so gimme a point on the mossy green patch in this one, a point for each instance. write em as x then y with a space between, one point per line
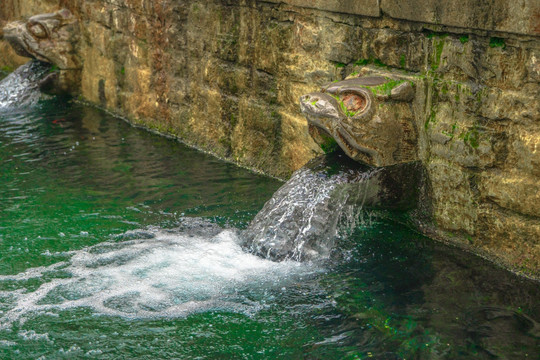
452 132
329 144
495 42
232 120
362 62
386 88
464 39
472 138
432 34
7 69
444 88
402 60
343 107
374 61
431 119
437 52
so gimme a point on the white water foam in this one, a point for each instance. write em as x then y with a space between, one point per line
305 216
157 273
21 88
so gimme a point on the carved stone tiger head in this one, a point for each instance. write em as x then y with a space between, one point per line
370 118
52 38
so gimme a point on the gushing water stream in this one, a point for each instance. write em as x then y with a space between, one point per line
20 89
302 220
323 201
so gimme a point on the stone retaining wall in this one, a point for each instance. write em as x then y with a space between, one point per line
226 76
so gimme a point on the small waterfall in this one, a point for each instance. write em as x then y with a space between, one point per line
304 217
21 87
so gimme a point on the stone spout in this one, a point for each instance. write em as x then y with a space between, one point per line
370 118
51 38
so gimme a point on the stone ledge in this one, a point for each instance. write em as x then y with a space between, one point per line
510 238
519 17
512 190
354 7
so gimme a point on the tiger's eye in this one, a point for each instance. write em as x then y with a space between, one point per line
38 30
354 102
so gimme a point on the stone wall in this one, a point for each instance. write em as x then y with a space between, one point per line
226 76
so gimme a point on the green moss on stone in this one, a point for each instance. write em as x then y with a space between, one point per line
343 107
497 42
376 62
444 88
402 61
361 62
329 144
386 88
431 34
438 49
431 119
232 120
6 69
452 132
472 138
464 39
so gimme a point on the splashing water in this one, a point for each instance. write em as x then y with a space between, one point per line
323 202
21 88
306 215
153 273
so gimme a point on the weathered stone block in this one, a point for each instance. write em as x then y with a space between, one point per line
455 137
9 58
533 66
515 191
356 7
252 135
455 206
521 17
524 150
297 145
510 237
